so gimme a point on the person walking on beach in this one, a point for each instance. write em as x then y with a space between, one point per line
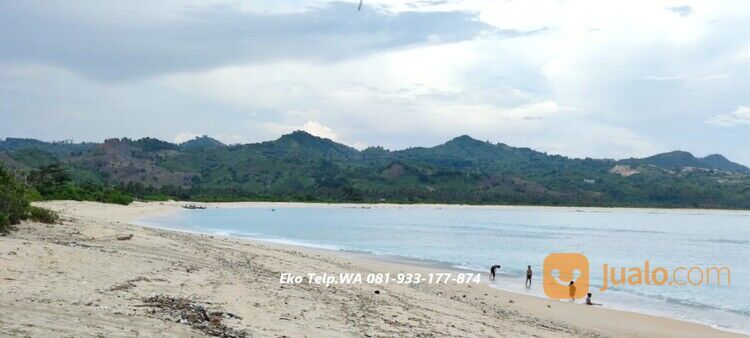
572 291
528 276
492 271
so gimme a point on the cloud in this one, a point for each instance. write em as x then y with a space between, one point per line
200 38
664 78
427 3
396 74
739 116
586 139
185 136
681 10
320 130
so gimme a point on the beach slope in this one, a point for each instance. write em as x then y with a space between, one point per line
89 277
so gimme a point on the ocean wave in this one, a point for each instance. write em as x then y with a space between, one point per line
692 303
727 241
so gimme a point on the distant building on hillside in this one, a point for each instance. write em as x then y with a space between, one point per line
589 181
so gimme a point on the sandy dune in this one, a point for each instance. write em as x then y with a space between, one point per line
78 279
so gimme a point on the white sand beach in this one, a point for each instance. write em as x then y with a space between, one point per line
78 279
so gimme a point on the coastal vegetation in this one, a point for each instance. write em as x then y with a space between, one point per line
302 167
14 203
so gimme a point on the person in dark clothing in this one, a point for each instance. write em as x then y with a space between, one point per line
588 300
492 271
528 276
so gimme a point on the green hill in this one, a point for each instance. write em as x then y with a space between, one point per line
303 167
201 143
681 160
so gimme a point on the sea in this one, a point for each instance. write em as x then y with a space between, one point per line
474 238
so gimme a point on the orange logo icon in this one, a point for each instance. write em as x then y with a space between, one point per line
566 276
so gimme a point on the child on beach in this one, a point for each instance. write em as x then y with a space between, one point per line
572 291
588 300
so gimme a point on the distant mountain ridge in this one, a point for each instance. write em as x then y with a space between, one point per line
301 166
680 160
674 160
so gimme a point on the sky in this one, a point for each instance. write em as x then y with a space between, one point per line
578 78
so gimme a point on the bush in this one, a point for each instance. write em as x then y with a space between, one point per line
115 196
32 195
13 203
89 193
4 223
157 198
43 215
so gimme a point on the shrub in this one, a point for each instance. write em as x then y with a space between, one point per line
4 223
32 195
157 198
43 215
13 203
115 196
89 192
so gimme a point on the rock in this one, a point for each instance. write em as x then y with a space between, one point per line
125 237
229 315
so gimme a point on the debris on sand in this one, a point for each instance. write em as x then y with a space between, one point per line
129 284
182 310
122 286
125 238
76 244
193 207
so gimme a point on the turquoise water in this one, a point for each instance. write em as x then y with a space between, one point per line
475 238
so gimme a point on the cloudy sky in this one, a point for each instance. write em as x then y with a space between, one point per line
579 78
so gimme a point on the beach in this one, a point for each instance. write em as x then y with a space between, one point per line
88 277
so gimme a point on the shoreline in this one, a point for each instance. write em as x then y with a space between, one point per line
447 266
176 206
480 310
423 263
260 204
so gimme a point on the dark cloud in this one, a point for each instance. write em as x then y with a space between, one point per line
427 3
219 35
681 10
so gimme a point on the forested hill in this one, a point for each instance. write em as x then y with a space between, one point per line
303 167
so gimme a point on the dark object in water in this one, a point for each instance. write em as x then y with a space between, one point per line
193 206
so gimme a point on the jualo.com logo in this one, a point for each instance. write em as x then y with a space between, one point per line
567 276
